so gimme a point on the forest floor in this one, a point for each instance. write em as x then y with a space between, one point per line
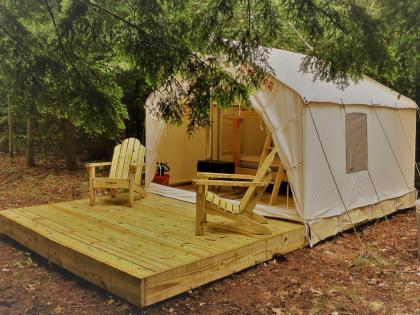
335 277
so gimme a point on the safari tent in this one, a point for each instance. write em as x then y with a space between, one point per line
349 155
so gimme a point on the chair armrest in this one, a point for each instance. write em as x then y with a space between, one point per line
231 183
135 166
97 164
224 175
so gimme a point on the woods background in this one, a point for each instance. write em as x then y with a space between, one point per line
75 74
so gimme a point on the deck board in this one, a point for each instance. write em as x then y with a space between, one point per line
144 254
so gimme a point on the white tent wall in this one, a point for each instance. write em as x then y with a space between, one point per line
388 177
181 152
171 144
400 127
154 132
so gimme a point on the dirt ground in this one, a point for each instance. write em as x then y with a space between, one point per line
338 276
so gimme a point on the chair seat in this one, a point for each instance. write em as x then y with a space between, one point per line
105 182
222 203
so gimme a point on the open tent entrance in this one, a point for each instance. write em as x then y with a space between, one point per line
236 142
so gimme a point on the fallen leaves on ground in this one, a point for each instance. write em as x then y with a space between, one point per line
338 276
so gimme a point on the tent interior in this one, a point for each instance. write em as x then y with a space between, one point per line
237 136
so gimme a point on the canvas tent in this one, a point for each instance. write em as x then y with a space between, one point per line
349 154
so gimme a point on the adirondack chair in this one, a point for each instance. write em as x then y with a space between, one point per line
125 173
240 214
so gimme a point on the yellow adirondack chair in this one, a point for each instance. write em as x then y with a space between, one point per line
240 214
125 173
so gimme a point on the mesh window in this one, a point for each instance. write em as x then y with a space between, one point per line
356 142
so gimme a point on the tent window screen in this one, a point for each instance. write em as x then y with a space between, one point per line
356 142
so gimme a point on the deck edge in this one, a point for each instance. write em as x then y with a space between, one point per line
102 275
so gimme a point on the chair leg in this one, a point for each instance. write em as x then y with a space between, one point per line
241 224
92 194
140 191
113 192
91 171
258 218
131 193
200 213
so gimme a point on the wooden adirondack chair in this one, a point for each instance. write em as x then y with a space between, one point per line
125 173
241 214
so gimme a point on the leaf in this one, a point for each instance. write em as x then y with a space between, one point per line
376 306
110 301
277 311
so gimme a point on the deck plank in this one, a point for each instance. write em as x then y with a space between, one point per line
144 254
140 243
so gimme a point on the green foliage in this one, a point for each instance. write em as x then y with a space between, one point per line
400 29
342 38
94 62
43 70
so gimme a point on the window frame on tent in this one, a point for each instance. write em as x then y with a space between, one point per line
356 142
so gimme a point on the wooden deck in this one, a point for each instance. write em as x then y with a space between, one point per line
143 254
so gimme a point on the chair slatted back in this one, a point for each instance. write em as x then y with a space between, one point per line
130 151
139 154
261 176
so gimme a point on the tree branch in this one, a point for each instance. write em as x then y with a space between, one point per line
60 43
9 33
13 38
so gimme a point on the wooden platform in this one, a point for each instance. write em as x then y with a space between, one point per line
143 254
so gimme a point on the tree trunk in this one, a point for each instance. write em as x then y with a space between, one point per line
30 144
68 145
10 125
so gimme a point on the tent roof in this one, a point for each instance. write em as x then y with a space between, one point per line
286 66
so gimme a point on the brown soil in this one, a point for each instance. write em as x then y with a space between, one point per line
335 277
